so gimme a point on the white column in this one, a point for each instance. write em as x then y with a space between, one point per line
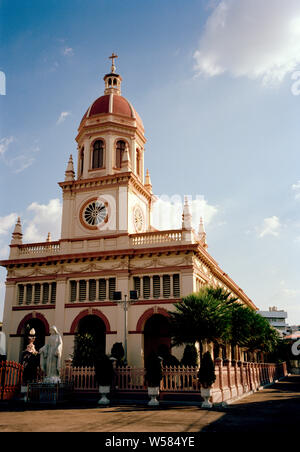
8 326
61 293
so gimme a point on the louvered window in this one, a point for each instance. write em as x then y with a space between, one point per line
92 290
102 289
45 298
37 293
28 293
146 287
166 286
111 287
98 154
137 285
82 290
176 286
156 286
53 293
20 293
119 153
73 287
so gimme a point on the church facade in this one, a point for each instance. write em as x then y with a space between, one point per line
110 270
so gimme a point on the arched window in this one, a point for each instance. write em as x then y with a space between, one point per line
81 161
138 162
119 152
98 154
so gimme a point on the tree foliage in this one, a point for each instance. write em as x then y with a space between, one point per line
206 374
214 315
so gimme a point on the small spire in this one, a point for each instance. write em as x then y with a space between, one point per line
17 234
49 237
148 183
202 233
186 215
70 173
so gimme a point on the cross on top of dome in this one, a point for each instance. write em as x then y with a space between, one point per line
113 80
112 58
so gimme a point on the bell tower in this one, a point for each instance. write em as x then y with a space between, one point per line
109 193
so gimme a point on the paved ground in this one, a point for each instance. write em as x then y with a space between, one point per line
275 408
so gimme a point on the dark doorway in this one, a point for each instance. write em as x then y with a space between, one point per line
90 340
156 333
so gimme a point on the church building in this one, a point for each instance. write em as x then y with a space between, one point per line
111 271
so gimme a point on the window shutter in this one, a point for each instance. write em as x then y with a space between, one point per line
146 287
102 289
82 290
53 293
156 286
176 286
111 287
45 293
37 293
20 293
28 293
92 290
166 286
73 287
137 284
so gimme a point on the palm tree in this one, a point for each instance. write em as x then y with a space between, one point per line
202 316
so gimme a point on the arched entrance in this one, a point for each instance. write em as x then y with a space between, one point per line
90 340
156 334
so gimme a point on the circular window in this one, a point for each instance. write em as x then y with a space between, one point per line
94 213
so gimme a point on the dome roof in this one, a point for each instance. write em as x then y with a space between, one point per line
112 104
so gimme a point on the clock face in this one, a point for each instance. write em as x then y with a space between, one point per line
94 213
138 219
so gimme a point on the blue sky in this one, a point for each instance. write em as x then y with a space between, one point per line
216 84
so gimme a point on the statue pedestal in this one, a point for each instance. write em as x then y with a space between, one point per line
49 393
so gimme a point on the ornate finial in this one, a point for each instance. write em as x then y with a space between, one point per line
202 233
148 183
17 233
48 237
70 173
112 58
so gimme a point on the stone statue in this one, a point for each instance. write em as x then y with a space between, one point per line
51 357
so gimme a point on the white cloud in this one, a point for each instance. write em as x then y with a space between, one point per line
270 226
7 222
296 188
4 143
20 163
252 38
167 212
47 218
63 116
68 51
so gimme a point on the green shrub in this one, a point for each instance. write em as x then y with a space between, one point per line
206 374
153 370
190 356
104 370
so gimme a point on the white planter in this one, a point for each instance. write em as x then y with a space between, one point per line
205 394
153 393
104 390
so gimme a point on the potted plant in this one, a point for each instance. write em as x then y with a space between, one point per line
153 377
104 376
207 377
